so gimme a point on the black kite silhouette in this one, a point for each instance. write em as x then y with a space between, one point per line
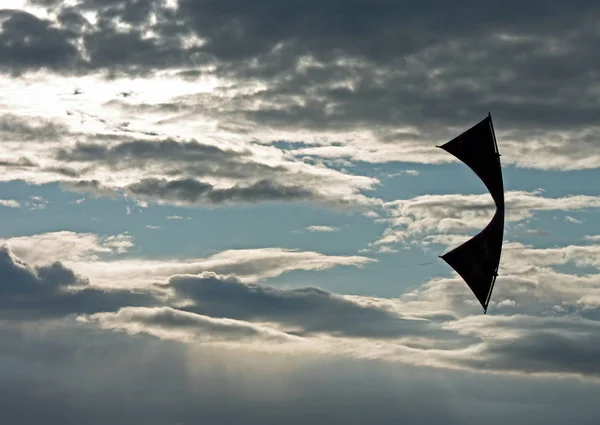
477 260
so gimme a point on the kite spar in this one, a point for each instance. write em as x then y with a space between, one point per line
477 260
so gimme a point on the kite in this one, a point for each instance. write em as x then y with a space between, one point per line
478 259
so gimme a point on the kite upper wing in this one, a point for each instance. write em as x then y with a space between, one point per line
477 260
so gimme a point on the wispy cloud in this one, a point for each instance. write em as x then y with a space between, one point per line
327 229
573 220
97 257
460 213
176 217
408 172
9 203
68 246
37 203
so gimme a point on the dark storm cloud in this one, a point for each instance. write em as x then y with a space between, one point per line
45 3
191 158
528 344
110 49
190 190
54 291
237 29
132 51
533 64
543 73
305 310
71 19
544 352
27 42
30 43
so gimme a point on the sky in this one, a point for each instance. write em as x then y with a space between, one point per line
230 211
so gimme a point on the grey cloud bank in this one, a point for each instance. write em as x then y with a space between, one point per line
371 66
53 291
173 383
305 310
175 171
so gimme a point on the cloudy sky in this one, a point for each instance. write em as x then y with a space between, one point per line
232 211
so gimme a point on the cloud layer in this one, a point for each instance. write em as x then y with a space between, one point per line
30 293
534 307
454 213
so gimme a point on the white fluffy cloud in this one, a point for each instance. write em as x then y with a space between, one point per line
9 203
322 229
67 246
463 213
